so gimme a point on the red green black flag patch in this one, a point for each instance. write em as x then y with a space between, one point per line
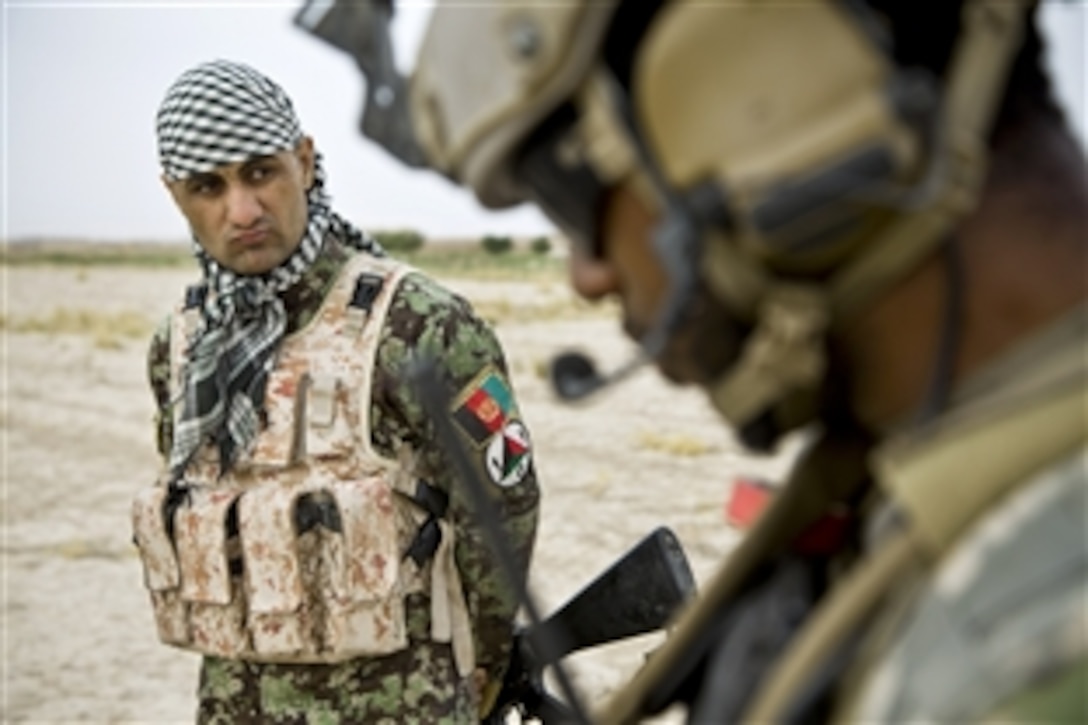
486 412
484 406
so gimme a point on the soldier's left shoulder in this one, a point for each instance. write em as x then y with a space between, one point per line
425 312
1002 613
422 294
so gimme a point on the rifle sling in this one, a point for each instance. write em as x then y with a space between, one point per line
429 535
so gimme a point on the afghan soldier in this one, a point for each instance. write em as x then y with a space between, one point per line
309 536
862 220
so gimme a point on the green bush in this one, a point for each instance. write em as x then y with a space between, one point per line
540 245
497 245
399 241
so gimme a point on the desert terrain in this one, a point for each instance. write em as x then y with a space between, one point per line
78 640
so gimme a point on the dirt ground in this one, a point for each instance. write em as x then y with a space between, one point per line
78 639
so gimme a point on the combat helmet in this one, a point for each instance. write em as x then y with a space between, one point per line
798 169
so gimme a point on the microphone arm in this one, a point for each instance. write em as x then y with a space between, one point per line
676 241
574 375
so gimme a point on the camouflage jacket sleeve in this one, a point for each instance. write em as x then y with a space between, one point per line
158 375
426 319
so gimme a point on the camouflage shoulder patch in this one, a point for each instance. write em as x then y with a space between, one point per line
487 414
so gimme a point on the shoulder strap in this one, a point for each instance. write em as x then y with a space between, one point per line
986 450
367 288
376 283
182 325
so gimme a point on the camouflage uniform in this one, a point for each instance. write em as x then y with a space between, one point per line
996 628
419 684
1000 629
955 561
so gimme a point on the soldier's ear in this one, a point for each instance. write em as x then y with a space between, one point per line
173 187
306 157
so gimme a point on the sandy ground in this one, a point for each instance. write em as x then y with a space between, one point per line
78 640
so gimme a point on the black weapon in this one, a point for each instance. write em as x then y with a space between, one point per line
638 594
361 29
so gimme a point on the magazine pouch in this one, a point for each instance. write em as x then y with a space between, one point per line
366 607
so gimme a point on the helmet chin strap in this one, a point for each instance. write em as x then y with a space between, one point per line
940 384
784 355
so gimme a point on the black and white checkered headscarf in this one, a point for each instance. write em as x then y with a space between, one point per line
215 114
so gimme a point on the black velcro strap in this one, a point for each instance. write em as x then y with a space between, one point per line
194 296
177 493
426 542
435 502
367 287
432 500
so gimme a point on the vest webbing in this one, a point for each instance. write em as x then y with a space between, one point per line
312 512
434 536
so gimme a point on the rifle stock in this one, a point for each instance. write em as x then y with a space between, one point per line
637 594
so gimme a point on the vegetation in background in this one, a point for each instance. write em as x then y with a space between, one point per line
442 259
675 444
103 254
540 245
109 330
400 241
496 245
505 310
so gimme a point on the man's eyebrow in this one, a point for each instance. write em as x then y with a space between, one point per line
200 177
259 159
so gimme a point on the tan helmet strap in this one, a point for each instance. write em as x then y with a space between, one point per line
784 353
977 79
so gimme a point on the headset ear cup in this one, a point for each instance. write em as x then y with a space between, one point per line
813 221
803 215
796 141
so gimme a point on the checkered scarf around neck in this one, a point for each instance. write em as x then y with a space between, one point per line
215 114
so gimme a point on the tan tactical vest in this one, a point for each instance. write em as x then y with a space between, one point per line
317 571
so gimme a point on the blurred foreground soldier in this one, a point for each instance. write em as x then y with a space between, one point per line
863 219
308 536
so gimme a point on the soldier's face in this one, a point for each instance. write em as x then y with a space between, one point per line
249 216
629 268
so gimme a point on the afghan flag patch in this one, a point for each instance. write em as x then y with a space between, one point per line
484 406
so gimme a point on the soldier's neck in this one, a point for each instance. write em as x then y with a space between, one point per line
1025 252
303 299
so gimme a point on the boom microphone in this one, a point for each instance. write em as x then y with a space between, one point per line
574 375
676 241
